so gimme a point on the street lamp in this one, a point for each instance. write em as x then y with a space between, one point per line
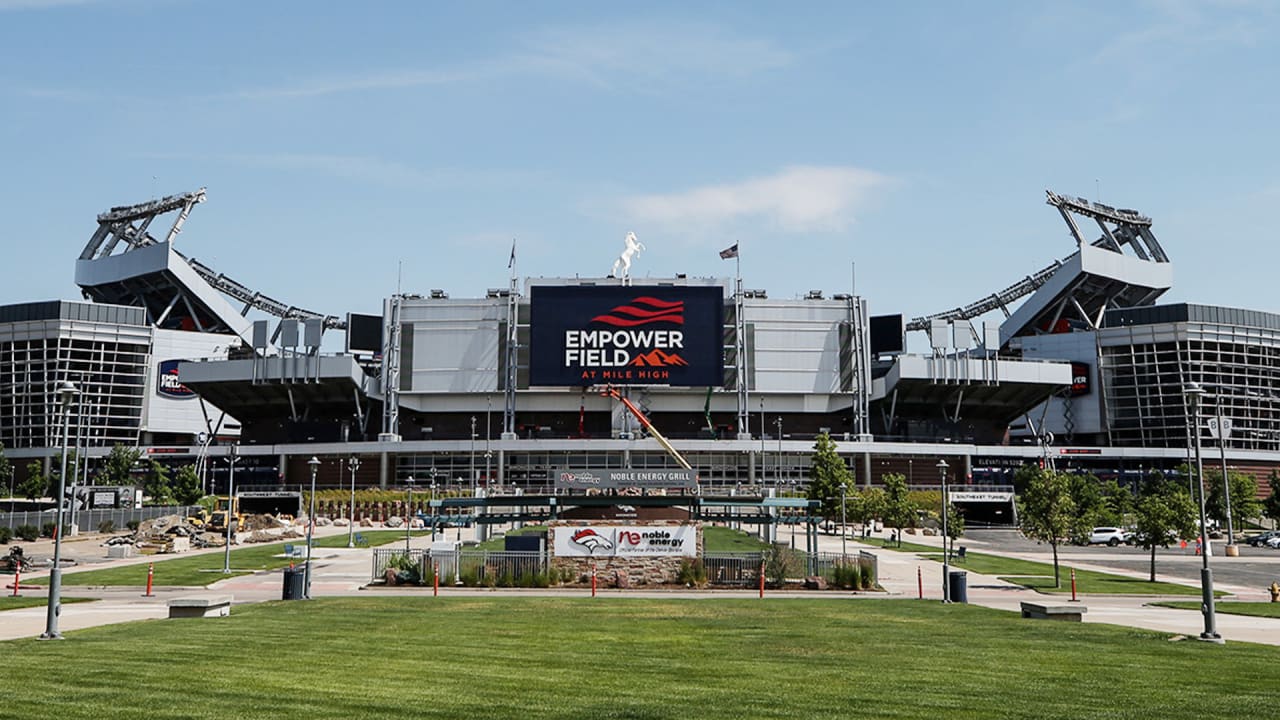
353 464
311 523
66 395
946 570
433 504
408 515
1194 392
844 525
233 455
473 456
778 463
1224 431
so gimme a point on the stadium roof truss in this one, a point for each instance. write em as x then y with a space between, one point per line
1124 267
175 290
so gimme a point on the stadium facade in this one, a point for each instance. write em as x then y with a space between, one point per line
502 391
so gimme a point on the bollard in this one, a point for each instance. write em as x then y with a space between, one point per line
920 581
151 573
593 578
762 579
435 580
17 580
1073 585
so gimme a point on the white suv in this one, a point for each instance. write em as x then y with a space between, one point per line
1110 535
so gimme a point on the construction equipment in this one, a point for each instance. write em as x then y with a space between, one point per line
612 392
218 518
199 519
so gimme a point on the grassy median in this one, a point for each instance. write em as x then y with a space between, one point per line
633 658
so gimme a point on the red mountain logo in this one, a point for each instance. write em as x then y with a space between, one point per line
643 311
591 540
657 358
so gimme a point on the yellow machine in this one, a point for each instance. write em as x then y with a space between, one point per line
218 518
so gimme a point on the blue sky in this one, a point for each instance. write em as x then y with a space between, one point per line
908 144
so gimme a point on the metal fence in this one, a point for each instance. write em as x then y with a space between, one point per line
92 520
527 569
493 568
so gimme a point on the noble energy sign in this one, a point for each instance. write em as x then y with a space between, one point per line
632 335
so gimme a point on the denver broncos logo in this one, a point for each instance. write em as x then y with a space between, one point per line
642 311
591 540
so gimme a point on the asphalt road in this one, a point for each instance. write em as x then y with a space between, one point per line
1255 567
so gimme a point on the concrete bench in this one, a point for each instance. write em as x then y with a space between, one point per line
1040 611
200 606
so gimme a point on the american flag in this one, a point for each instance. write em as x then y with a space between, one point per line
729 252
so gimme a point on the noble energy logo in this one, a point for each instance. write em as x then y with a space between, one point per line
628 342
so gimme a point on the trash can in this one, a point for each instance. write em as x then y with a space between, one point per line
958 586
295 583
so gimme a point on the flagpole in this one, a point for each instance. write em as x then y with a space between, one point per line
744 399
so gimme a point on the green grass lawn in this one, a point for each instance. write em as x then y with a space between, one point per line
1255 609
205 568
906 546
9 602
633 658
717 539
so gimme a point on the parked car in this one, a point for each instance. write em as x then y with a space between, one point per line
1273 542
1262 538
1108 535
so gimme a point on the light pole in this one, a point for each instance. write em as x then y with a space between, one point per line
473 456
778 463
232 457
844 541
66 395
408 515
1210 634
1224 429
946 570
353 464
311 524
433 504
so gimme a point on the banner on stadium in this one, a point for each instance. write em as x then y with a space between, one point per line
615 479
626 335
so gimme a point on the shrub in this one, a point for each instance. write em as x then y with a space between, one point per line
132 525
867 570
780 563
106 526
46 530
692 573
6 534
407 569
27 532
847 576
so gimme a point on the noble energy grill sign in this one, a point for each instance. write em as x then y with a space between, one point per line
635 335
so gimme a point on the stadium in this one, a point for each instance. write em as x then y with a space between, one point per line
546 377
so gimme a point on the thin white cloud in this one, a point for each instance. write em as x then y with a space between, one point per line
641 54
802 198
40 4
362 169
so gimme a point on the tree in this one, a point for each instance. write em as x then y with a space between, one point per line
118 466
1244 497
865 506
156 484
186 486
1119 503
899 510
6 472
1162 515
1271 506
1046 511
36 484
829 478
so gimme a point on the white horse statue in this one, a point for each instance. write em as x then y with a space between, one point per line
623 263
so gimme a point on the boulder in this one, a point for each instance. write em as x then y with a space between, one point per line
815 582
